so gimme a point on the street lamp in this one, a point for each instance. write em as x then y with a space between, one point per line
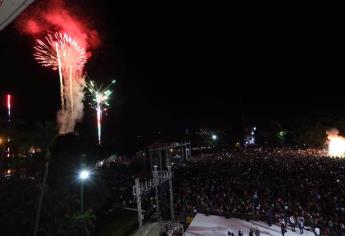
83 175
214 137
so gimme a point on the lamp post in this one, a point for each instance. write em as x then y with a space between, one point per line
84 174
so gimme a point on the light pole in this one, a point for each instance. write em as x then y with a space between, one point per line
84 174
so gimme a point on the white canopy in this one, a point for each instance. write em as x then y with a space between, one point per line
218 226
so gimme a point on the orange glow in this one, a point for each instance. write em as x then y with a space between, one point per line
336 143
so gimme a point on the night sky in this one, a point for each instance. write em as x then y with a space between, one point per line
181 66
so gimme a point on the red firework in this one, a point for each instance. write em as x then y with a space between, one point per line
60 51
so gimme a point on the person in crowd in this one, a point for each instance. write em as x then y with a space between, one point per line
230 233
317 231
257 232
269 216
283 228
342 228
301 225
251 232
293 223
240 232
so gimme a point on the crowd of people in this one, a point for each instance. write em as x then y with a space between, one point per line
264 185
252 232
296 189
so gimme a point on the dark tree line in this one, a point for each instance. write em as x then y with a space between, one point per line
20 192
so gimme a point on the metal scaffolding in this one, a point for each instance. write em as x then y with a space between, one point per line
141 188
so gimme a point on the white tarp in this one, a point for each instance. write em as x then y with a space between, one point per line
10 9
218 226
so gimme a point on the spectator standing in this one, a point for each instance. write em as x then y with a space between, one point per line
317 231
342 228
269 216
300 225
293 223
257 232
283 228
230 233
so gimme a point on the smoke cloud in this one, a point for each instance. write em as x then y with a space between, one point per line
73 111
54 15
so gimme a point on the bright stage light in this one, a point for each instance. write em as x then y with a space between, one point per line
336 146
336 143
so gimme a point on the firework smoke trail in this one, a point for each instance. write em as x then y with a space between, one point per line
9 107
71 86
99 121
100 98
60 75
61 52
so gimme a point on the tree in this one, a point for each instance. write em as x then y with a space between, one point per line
47 135
77 224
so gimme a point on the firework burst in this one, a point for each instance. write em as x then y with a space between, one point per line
100 101
61 52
